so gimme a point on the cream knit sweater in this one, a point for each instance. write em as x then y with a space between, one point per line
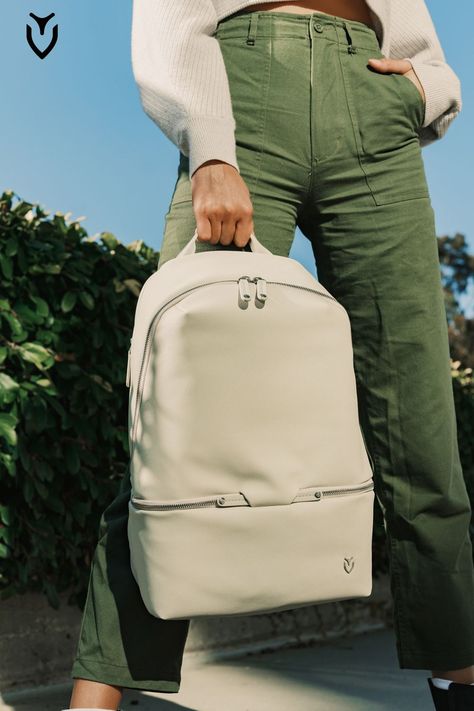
178 66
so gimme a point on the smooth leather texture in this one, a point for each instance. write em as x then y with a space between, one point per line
246 560
255 397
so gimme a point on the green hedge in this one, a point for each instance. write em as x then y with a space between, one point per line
66 310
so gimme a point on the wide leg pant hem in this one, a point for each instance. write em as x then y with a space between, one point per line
441 659
119 676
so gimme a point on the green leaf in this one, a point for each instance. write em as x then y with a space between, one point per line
109 240
6 266
102 382
68 301
55 504
118 285
72 459
36 415
22 259
15 325
133 285
45 269
87 299
11 246
7 384
28 490
43 382
8 462
6 535
135 246
7 428
44 471
29 317
41 489
5 515
37 354
22 207
42 307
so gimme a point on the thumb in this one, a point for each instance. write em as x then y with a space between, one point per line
387 65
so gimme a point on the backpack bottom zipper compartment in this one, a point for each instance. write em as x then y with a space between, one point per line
217 555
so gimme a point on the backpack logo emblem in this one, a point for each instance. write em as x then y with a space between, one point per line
348 564
42 22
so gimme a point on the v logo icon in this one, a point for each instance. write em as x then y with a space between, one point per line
348 564
42 22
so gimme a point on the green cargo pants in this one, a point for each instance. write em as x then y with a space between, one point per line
328 144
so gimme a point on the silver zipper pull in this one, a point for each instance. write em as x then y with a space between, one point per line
129 368
244 288
261 289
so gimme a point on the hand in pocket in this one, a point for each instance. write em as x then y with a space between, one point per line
386 65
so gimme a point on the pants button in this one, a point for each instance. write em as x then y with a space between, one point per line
318 27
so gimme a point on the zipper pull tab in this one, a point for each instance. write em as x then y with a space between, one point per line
129 369
244 289
261 289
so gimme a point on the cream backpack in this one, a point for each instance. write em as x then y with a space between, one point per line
251 486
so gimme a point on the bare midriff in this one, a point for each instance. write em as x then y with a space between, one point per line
349 9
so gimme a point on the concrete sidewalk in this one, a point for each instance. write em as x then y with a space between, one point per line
358 673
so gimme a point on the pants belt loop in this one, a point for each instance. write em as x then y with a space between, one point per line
350 48
252 29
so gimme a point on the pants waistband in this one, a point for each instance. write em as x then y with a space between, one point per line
265 24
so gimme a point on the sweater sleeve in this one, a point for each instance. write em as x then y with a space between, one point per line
180 72
412 23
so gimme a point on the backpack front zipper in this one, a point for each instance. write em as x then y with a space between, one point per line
225 500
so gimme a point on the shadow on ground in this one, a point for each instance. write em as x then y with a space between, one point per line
358 673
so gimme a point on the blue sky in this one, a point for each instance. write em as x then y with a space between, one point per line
74 136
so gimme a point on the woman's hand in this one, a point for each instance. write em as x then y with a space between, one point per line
398 66
221 204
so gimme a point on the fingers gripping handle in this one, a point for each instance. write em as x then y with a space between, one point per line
255 246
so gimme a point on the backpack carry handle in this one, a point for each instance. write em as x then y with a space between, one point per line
255 246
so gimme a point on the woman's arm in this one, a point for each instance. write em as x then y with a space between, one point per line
181 75
413 31
180 72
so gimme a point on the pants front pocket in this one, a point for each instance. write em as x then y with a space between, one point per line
386 114
248 69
